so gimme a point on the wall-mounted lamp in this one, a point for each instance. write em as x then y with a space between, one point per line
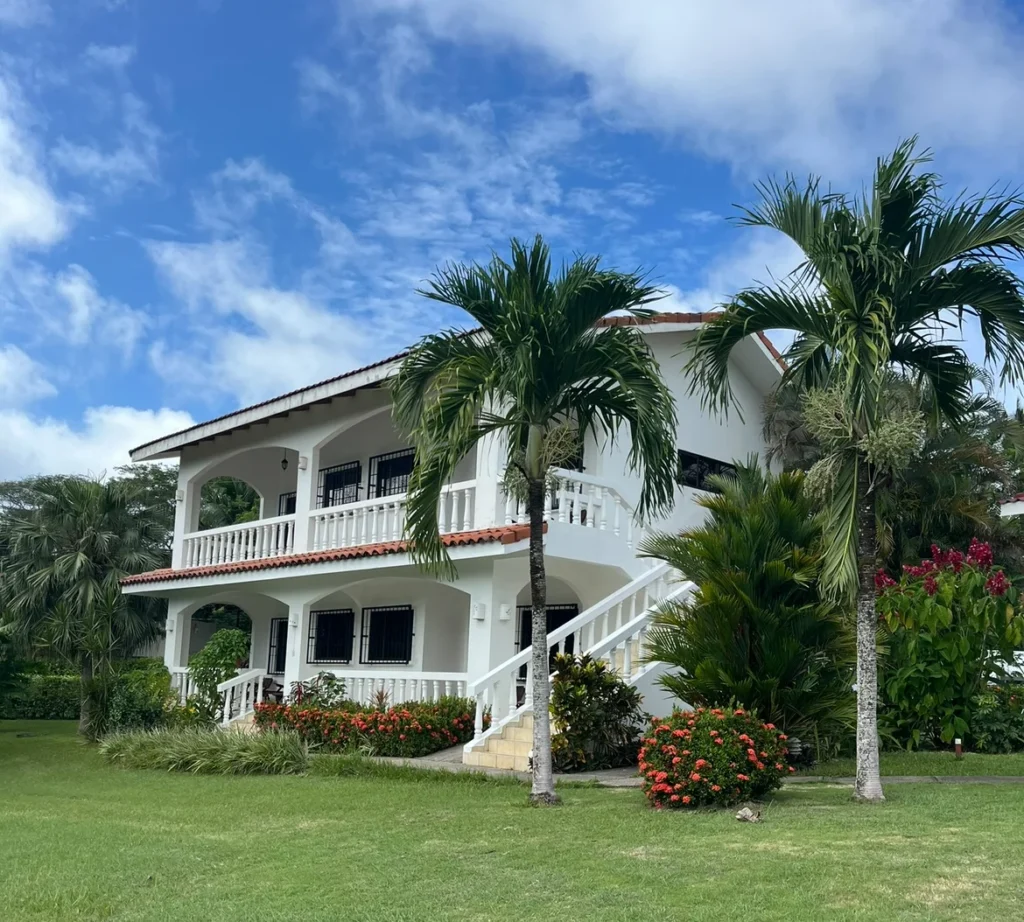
479 611
303 462
179 496
505 613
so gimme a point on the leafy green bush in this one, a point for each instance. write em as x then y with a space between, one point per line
757 631
207 752
952 623
139 699
997 722
711 756
597 716
218 661
324 691
406 731
43 697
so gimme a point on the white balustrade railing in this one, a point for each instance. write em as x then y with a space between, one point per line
399 687
375 521
503 691
241 694
246 541
579 499
182 683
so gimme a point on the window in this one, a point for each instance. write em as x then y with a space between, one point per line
389 474
339 485
386 635
330 636
278 645
286 504
694 470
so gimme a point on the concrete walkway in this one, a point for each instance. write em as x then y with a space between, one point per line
451 760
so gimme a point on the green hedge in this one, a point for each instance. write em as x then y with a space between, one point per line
43 697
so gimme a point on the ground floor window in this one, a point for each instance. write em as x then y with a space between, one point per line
278 645
386 635
330 636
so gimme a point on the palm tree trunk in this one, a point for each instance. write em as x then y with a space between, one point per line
868 785
543 791
85 702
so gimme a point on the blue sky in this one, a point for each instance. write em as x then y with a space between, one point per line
207 202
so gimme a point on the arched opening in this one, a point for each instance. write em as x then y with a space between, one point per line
258 483
262 617
563 604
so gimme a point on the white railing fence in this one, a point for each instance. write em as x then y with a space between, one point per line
399 687
375 521
503 690
579 499
241 694
182 683
245 541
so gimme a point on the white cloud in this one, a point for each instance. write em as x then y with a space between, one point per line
92 317
319 88
115 57
800 83
22 379
31 214
20 13
249 338
133 160
31 445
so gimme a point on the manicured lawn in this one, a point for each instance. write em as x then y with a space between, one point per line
82 841
928 763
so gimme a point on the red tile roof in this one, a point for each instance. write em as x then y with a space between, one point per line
1012 499
506 534
618 321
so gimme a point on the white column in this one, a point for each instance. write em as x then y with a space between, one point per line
305 496
492 614
186 513
298 635
179 632
490 465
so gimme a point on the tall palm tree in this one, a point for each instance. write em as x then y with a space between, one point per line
69 541
538 365
887 283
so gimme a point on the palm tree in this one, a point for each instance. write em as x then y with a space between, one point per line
69 541
539 366
887 283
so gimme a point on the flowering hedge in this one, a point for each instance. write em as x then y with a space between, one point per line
711 756
952 623
407 730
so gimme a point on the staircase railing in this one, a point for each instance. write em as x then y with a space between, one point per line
501 691
241 694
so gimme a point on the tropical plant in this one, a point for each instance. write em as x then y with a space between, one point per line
596 715
227 501
952 624
887 283
218 661
711 756
324 690
540 364
757 631
997 722
69 542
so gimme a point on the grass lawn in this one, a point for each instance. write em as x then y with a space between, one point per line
82 841
928 763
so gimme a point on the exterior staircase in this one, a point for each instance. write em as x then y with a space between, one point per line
614 630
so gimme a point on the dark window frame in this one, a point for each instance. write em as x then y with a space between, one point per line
272 652
395 650
693 470
353 471
524 620
346 636
391 484
283 502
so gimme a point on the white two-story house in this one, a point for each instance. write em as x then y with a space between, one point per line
325 577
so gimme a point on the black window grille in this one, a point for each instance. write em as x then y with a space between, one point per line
386 635
694 470
278 645
557 616
389 473
286 504
330 636
338 485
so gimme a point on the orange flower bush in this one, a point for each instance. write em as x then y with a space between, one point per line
711 756
406 731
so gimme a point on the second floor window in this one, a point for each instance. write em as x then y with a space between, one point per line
694 470
339 484
389 474
286 504
330 636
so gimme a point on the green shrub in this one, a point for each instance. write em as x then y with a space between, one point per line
406 731
952 623
997 722
714 756
757 631
43 697
207 752
597 716
218 661
139 699
324 691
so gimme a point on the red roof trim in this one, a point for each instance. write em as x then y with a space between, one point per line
507 534
1012 499
618 321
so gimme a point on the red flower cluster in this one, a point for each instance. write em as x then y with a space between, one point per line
883 580
978 557
997 583
408 730
730 756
